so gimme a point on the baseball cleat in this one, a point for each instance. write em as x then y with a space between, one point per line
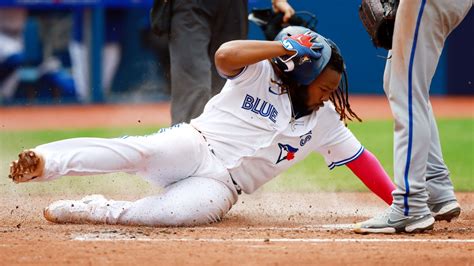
390 222
29 166
445 211
74 211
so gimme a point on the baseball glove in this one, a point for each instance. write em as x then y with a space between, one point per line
378 18
272 23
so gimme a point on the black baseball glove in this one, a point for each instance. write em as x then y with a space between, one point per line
378 17
272 23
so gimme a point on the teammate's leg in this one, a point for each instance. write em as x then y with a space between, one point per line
192 201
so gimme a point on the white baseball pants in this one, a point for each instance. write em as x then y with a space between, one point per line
198 188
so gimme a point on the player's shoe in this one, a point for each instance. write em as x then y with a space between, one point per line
29 166
390 222
75 211
445 211
94 209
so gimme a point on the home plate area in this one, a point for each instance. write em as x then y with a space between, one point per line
264 228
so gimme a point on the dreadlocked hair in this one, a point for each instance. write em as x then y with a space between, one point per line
340 97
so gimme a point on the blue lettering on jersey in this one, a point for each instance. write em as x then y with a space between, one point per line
260 107
305 138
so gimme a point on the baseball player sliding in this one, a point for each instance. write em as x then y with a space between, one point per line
283 100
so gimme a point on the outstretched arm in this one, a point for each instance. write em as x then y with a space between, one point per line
369 170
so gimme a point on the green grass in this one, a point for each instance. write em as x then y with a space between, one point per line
457 140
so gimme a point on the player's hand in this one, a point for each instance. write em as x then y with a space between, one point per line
282 6
302 45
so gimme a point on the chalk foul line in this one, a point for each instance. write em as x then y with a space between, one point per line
96 238
113 236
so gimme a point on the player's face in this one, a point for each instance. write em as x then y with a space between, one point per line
321 88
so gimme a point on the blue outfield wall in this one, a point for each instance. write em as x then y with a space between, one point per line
339 21
460 58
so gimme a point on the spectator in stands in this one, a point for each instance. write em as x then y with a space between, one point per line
111 51
12 24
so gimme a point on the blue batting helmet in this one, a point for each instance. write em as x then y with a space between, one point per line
304 70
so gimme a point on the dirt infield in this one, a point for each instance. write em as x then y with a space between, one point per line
261 229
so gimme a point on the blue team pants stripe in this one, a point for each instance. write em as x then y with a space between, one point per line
410 107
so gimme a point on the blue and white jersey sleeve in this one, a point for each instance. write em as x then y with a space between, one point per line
334 141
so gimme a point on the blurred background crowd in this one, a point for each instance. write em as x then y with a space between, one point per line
104 51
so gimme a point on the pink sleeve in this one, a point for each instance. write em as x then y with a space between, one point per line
369 170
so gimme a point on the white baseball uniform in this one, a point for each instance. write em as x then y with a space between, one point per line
245 137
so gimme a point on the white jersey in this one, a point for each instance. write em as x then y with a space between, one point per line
249 126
